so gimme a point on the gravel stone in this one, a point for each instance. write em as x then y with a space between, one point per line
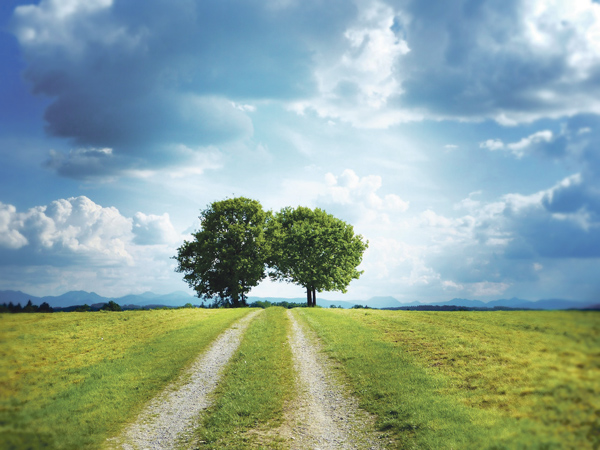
170 418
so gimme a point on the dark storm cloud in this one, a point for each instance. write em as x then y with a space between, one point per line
138 76
476 59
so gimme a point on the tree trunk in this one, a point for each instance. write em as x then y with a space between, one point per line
308 299
314 296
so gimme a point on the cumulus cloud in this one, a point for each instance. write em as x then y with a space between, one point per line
152 229
349 188
348 195
10 237
69 232
137 77
560 222
500 247
514 61
358 77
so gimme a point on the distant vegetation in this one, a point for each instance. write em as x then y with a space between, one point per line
267 304
108 306
29 308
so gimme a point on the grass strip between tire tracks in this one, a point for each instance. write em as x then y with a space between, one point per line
257 384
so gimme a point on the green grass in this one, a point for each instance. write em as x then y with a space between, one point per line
254 390
472 379
70 380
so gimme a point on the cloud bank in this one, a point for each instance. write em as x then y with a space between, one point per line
143 77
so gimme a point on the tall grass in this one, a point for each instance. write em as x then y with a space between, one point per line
472 379
69 381
254 390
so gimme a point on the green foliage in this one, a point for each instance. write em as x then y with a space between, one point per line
252 394
227 257
111 306
315 250
45 307
267 304
30 307
70 381
472 380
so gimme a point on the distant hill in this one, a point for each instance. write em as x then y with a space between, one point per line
180 298
90 298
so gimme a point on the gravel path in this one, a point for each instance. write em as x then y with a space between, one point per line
171 417
325 417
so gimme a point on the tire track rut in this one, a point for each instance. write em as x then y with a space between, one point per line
170 418
324 416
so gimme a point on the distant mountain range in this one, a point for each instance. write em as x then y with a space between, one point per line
181 298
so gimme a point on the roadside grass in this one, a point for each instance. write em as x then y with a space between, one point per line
257 384
514 380
71 380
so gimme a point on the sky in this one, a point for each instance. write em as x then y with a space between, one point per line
460 138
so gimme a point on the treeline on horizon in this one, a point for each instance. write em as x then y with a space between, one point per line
45 307
113 306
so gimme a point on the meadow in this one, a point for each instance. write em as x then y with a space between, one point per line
495 380
433 380
71 380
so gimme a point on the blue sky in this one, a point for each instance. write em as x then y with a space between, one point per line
459 137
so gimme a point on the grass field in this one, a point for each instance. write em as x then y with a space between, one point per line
70 380
472 379
434 380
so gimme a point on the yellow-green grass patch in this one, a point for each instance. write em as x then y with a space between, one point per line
472 379
70 380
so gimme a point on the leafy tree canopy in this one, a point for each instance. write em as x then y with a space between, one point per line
227 257
315 250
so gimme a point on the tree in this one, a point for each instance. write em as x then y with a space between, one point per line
30 307
45 308
111 306
315 250
227 257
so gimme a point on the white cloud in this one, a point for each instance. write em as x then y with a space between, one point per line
356 81
397 264
10 237
492 144
153 230
521 148
69 232
488 289
350 189
76 244
78 226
